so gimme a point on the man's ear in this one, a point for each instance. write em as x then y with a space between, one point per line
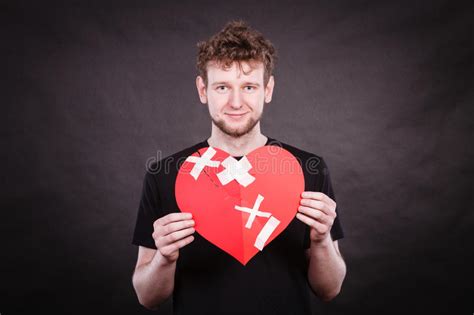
201 88
269 89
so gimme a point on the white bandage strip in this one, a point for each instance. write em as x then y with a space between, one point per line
254 212
265 233
201 162
237 170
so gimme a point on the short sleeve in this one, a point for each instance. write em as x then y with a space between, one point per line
324 185
147 212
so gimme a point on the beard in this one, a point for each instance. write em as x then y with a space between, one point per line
236 132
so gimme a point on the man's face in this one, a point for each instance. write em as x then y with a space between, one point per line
235 98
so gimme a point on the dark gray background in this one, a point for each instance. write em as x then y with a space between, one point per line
383 90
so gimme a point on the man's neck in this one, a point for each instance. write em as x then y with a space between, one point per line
237 146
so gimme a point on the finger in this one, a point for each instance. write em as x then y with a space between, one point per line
317 195
314 214
173 217
176 226
176 236
319 227
312 195
170 249
316 204
161 231
320 205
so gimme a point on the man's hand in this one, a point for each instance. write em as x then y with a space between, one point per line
171 233
318 211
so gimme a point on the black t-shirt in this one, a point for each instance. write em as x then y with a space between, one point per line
210 281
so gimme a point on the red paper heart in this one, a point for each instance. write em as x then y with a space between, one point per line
278 178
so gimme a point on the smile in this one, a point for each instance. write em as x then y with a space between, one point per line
236 115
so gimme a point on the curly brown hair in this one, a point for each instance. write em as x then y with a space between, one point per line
237 41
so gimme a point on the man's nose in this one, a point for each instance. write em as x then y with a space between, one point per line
235 100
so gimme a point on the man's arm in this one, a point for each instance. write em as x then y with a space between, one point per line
153 278
326 267
326 270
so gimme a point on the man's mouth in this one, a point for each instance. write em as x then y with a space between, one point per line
236 115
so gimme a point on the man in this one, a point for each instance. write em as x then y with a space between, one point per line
235 81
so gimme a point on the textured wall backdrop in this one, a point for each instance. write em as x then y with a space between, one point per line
383 90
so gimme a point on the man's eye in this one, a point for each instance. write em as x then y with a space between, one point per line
221 88
250 88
